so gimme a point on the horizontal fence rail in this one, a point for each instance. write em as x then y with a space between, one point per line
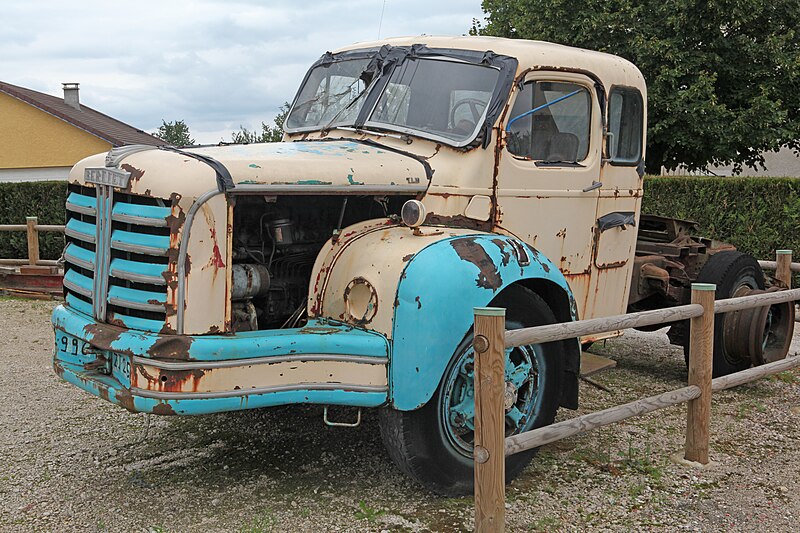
490 355
32 228
772 265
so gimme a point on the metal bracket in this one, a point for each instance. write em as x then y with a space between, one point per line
340 424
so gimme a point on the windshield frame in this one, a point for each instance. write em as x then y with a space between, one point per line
387 58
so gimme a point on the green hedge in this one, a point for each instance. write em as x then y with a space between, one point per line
43 199
757 215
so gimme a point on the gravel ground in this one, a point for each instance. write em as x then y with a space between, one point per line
72 462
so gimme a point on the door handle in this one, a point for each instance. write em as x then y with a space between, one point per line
617 219
593 186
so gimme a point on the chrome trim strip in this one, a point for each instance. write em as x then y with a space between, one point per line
77 288
104 203
141 221
157 308
81 209
138 248
260 390
138 278
80 236
80 262
230 363
115 156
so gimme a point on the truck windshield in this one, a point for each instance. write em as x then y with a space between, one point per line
437 98
331 95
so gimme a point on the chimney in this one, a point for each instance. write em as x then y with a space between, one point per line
71 95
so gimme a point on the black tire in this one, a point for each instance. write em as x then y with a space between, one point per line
425 450
729 271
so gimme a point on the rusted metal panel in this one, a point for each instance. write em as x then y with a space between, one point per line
264 374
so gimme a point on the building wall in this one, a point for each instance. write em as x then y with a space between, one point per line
783 163
31 138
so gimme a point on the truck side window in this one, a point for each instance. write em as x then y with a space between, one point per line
550 122
625 125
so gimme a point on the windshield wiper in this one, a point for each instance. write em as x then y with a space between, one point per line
329 125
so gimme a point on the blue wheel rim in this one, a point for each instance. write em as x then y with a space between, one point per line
523 381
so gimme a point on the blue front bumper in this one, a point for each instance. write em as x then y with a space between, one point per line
320 363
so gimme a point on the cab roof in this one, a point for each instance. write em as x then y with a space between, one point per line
610 69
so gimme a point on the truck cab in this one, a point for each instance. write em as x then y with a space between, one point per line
418 178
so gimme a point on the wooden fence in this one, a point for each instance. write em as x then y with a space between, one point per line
491 340
32 228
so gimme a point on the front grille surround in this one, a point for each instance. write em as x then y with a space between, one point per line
117 260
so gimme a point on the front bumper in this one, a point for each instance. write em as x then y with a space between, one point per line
320 363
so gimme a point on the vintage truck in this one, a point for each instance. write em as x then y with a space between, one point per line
418 178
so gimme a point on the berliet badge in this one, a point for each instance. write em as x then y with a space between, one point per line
108 176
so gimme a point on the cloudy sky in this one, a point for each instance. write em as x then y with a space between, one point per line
216 65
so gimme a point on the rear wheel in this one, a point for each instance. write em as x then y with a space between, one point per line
434 444
750 336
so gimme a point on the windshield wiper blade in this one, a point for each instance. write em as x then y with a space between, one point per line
329 125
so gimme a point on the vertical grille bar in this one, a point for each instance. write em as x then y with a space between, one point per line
105 201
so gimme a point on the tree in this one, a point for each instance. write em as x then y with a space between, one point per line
723 77
175 133
268 134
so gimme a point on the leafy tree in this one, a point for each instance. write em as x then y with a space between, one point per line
268 134
723 77
175 133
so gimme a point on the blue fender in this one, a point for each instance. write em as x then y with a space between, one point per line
436 295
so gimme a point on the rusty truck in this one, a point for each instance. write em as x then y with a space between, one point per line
418 178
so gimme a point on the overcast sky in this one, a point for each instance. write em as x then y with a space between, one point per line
213 64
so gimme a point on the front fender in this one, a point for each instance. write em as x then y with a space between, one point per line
436 295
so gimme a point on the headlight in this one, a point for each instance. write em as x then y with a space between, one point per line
413 213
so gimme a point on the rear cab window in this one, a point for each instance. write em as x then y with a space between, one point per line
625 125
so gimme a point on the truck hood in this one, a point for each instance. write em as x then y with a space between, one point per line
324 164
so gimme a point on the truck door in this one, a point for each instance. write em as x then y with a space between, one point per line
549 172
619 204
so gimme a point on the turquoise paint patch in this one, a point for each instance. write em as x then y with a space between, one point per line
253 165
155 242
142 211
350 179
425 337
314 182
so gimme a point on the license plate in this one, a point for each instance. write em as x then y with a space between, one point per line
121 368
68 345
77 351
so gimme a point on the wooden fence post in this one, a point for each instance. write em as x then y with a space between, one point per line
489 453
33 239
783 267
701 355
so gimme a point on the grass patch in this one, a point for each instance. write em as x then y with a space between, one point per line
365 512
546 523
262 523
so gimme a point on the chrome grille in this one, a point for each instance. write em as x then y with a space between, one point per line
117 256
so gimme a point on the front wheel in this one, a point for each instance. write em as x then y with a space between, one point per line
434 444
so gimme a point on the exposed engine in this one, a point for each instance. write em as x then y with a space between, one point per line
276 240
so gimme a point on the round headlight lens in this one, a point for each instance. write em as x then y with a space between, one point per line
413 213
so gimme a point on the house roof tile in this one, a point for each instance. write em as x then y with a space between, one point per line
109 129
